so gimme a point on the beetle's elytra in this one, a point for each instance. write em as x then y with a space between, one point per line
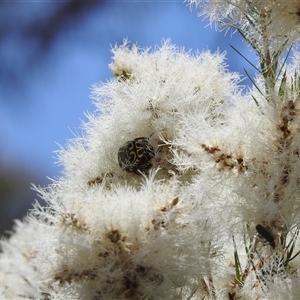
135 155
266 234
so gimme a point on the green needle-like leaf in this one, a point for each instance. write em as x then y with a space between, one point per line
245 58
282 86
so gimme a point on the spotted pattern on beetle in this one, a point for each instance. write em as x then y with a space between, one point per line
135 156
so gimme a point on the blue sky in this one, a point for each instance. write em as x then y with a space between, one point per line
48 106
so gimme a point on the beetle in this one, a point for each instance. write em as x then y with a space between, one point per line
135 155
266 234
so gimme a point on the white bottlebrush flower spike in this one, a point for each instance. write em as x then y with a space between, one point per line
182 186
269 26
112 234
280 16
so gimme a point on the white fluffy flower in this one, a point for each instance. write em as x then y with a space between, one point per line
274 22
18 279
113 234
176 174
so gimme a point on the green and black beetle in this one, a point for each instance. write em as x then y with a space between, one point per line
135 155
